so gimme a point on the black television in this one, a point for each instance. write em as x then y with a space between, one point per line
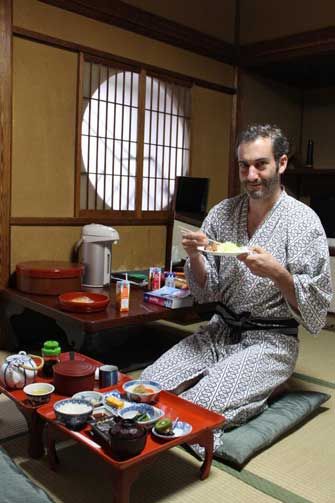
191 195
324 205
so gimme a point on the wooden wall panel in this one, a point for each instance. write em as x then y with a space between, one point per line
264 102
5 133
211 122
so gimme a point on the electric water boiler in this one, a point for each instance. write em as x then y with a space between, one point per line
95 252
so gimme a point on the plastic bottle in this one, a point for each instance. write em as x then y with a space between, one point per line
51 351
170 279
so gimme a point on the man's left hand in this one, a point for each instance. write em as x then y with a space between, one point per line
260 262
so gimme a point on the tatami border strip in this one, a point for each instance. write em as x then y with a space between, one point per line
261 484
3 440
314 380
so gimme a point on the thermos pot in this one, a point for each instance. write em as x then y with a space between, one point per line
95 253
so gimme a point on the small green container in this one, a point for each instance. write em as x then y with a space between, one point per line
50 352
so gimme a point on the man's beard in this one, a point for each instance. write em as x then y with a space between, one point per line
267 189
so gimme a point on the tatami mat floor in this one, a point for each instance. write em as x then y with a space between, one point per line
297 469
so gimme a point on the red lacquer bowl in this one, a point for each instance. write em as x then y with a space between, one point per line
83 302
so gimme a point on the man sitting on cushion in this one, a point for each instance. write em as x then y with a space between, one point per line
250 346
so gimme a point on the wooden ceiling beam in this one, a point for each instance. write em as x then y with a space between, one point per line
287 48
123 15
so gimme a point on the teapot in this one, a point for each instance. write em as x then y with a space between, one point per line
126 438
19 370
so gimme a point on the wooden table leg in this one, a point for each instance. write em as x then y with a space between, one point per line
122 481
35 428
206 440
51 449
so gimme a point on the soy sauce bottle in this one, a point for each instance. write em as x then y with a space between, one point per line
51 351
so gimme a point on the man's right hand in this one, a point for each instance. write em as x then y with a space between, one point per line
192 240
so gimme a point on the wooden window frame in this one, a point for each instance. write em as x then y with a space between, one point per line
111 215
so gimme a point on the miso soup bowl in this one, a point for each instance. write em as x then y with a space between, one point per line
149 395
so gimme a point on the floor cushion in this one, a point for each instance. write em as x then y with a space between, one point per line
240 444
16 486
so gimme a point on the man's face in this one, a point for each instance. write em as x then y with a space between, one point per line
259 173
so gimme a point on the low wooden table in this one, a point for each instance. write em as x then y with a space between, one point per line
34 420
78 325
124 473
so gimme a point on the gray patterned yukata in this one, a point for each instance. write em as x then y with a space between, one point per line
237 374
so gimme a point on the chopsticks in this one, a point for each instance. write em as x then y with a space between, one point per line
185 230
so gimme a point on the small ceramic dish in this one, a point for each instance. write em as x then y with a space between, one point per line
179 430
83 302
142 413
39 392
142 391
117 403
101 413
73 413
93 397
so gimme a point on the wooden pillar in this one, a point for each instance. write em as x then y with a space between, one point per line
5 135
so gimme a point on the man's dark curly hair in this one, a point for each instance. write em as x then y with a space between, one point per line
280 144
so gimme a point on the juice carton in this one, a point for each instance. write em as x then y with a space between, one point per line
155 275
122 295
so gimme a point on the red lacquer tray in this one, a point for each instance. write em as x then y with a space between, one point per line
83 302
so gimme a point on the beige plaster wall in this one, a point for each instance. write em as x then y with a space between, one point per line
56 243
36 16
268 19
218 20
44 129
266 102
211 124
318 124
44 118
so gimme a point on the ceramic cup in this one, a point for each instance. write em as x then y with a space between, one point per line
108 375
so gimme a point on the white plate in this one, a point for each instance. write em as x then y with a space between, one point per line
181 428
94 397
243 249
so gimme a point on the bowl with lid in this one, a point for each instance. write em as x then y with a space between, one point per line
126 438
73 376
48 277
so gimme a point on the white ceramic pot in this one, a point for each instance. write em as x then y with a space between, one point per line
19 370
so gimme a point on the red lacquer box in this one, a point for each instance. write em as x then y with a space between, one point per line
47 277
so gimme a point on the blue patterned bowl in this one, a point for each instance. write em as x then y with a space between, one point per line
133 390
135 409
72 412
39 393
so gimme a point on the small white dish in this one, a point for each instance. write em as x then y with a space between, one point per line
93 397
101 413
242 250
180 429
